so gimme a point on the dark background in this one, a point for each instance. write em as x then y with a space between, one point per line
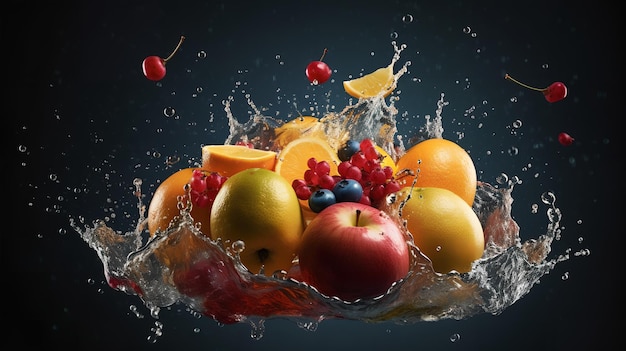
91 123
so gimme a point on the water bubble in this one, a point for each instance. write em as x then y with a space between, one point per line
408 18
238 246
53 177
394 35
548 198
201 54
517 123
169 112
467 30
474 35
21 148
455 337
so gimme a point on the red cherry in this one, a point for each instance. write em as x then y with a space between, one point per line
154 67
565 139
555 92
318 72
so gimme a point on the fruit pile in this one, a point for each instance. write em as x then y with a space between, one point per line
322 214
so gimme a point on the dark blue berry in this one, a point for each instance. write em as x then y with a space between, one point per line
348 190
348 149
321 199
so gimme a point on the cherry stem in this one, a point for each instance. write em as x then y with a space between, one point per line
182 38
358 214
323 54
507 76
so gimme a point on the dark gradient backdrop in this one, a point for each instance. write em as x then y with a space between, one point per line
91 123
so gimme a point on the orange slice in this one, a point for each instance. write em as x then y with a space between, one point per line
230 159
292 160
296 128
377 83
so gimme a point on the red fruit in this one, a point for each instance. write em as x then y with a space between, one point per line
154 67
565 139
553 93
318 72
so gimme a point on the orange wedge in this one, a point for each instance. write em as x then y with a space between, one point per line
230 159
296 128
378 83
292 160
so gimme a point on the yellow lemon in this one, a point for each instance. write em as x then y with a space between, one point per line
230 159
261 208
444 227
380 82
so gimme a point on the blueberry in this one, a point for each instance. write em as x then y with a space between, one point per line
348 190
321 199
348 149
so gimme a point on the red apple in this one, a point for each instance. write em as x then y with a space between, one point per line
353 251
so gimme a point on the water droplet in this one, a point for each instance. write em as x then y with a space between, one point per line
517 123
21 148
438 248
580 221
580 240
201 54
238 246
544 66
502 178
565 276
455 337
169 112
534 208
548 198
474 35
408 18
467 30
394 35
196 330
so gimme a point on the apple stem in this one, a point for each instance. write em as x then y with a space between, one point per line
358 214
507 76
323 54
182 38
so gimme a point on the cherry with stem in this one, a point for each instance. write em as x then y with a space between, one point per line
318 72
154 66
554 92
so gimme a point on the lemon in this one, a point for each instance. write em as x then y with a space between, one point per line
444 227
261 208
379 82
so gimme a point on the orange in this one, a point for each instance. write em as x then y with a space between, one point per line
292 160
230 159
164 204
297 128
444 228
440 163
378 83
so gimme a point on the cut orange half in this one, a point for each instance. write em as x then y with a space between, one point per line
379 82
230 159
292 160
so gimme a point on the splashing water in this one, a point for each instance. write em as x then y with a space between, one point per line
209 278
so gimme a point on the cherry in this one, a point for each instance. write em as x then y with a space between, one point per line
318 72
553 93
154 66
565 139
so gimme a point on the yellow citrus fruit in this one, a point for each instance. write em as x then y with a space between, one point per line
444 228
379 82
292 160
441 163
230 159
296 128
261 208
164 204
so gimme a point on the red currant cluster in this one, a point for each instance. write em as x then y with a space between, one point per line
362 163
316 177
204 187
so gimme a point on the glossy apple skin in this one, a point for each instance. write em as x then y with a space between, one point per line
353 261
